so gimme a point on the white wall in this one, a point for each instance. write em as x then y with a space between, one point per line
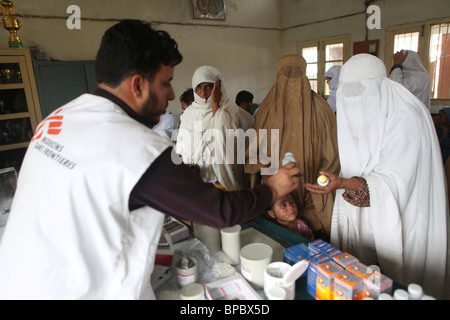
245 47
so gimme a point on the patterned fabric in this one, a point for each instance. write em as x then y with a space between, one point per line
360 197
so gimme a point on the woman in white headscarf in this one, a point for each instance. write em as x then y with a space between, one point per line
410 72
202 135
332 76
391 204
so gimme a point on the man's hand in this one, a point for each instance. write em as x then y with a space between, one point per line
284 181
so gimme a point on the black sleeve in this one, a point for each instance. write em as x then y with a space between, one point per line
176 191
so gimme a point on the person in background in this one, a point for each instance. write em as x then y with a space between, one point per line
186 98
408 70
244 100
285 212
307 128
92 197
391 204
203 130
167 125
332 76
442 125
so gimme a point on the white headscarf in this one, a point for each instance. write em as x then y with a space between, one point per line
333 73
198 145
386 136
414 77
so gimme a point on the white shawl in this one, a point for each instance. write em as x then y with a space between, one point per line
414 77
386 136
202 137
333 73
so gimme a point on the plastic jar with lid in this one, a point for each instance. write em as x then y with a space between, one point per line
415 291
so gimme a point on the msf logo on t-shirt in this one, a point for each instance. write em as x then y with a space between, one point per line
52 126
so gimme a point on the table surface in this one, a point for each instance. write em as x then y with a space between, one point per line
276 234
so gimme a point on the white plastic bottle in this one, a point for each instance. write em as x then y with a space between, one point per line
385 296
323 180
288 157
401 294
415 291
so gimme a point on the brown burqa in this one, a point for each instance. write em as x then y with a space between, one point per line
307 128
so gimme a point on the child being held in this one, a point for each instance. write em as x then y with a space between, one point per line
284 212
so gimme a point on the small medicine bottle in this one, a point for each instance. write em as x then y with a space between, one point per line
401 294
415 291
288 157
322 180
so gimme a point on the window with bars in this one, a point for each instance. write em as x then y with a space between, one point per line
431 41
439 65
321 55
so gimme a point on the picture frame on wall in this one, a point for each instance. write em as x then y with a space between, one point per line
209 9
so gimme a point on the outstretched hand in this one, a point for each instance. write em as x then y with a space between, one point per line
334 183
284 181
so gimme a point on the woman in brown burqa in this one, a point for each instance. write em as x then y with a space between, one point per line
307 128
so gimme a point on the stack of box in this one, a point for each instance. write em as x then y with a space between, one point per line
336 275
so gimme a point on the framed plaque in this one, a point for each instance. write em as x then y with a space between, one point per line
209 9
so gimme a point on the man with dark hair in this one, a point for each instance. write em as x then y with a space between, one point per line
244 99
186 98
97 182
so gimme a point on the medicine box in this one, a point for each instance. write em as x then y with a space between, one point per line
375 284
347 286
359 269
332 251
314 262
296 253
325 280
345 259
317 246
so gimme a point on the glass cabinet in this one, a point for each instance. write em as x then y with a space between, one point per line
19 106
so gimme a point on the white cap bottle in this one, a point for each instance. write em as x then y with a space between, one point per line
323 180
288 157
415 291
385 296
401 294
427 297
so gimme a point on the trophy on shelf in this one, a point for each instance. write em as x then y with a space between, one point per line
11 23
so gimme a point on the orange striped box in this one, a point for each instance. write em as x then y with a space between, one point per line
347 286
359 269
345 259
375 284
325 280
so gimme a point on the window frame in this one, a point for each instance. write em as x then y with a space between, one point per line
321 44
424 29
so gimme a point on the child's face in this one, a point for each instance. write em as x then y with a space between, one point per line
285 209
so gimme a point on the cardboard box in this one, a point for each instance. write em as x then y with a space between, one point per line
314 262
326 273
345 259
296 253
165 251
375 284
317 246
332 251
359 269
347 286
